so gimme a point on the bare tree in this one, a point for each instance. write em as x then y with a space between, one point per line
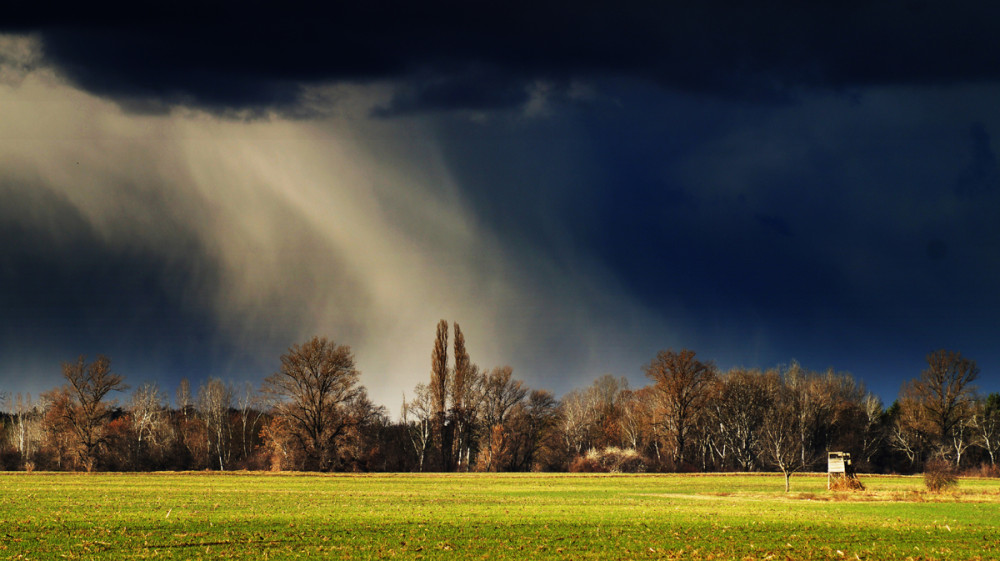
251 409
986 423
812 405
530 424
501 394
358 447
27 428
5 420
188 428
183 398
472 407
945 394
781 432
683 383
605 398
87 411
830 408
909 427
577 419
873 433
741 401
147 411
962 437
215 399
633 420
313 390
847 419
417 415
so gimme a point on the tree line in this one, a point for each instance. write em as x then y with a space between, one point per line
314 414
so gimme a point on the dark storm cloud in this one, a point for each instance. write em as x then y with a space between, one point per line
64 292
448 55
469 91
855 227
982 175
774 224
840 230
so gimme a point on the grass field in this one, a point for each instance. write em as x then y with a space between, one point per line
194 515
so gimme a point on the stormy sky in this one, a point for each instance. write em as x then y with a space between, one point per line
191 188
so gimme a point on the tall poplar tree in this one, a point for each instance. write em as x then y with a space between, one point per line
459 408
439 393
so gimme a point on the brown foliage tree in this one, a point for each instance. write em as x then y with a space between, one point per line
910 428
945 396
496 453
606 399
61 448
87 412
501 393
316 384
683 383
280 445
531 425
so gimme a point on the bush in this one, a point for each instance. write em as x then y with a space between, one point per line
939 475
984 470
583 464
846 483
609 460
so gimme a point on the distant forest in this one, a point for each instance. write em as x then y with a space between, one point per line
314 414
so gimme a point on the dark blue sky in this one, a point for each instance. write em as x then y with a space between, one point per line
192 189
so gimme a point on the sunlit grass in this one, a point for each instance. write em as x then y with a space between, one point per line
494 516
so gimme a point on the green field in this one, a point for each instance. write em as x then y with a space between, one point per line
512 516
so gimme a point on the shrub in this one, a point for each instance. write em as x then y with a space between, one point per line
583 464
939 475
609 460
984 470
846 483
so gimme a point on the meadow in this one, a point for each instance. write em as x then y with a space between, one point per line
480 516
